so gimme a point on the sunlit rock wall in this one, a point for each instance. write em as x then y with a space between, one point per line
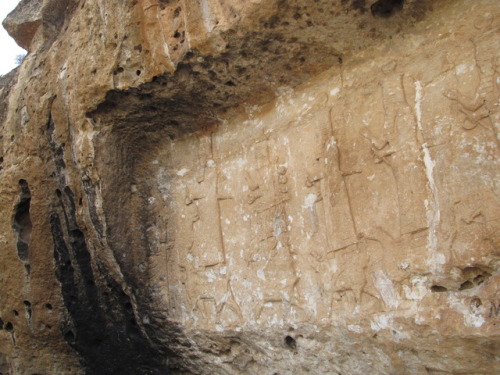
247 187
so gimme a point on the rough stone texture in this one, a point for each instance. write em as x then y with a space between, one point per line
252 187
24 21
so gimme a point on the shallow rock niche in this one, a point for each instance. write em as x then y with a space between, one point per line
271 187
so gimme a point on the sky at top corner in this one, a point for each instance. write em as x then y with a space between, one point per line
8 47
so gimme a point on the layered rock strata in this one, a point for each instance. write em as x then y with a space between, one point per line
243 187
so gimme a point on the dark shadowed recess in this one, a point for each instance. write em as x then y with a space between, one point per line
386 8
101 324
380 8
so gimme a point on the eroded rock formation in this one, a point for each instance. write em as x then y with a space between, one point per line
243 187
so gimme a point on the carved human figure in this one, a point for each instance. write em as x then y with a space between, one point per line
199 242
482 108
271 258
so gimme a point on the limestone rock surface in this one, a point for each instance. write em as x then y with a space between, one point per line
251 187
24 21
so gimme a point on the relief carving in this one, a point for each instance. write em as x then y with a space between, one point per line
481 109
271 259
298 220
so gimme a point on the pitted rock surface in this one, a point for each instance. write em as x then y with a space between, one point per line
251 187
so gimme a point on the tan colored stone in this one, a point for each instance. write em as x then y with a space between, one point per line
242 187
24 21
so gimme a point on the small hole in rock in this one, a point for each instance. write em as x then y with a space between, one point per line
476 302
386 8
138 72
9 327
177 34
479 279
438 288
466 285
290 342
48 306
69 336
15 312
1 323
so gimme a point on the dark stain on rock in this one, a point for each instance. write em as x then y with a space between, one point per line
101 326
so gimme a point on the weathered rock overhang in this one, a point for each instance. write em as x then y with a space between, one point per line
135 101
247 62
252 59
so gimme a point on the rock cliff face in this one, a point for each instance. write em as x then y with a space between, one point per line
251 187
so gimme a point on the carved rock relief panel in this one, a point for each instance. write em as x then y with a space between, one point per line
354 194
